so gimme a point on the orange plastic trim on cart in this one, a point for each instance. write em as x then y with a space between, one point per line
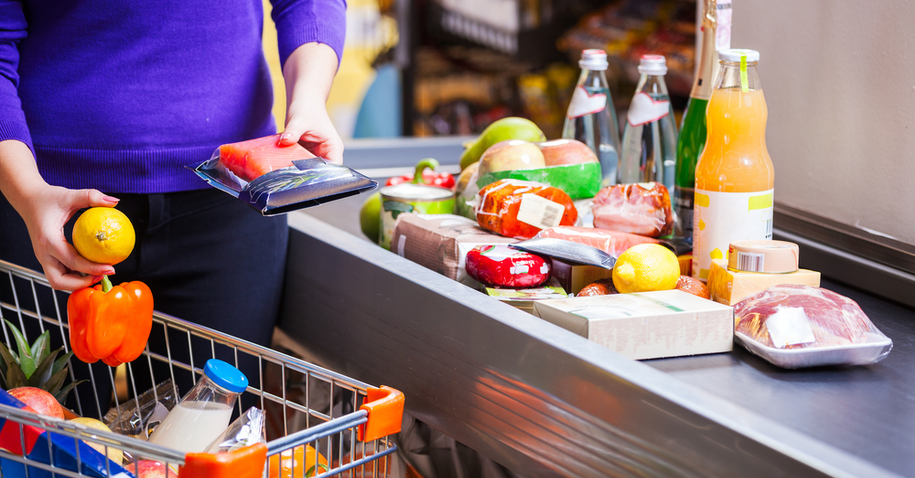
247 462
385 408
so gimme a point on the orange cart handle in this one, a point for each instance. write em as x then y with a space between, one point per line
385 413
247 462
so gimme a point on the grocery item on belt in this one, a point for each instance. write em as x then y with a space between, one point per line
275 179
410 197
693 286
520 209
599 287
611 242
571 252
763 255
639 208
441 242
429 178
574 277
524 299
499 265
730 287
796 326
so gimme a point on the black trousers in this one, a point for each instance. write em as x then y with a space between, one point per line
208 259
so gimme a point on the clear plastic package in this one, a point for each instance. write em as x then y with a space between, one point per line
135 420
640 208
247 429
520 209
795 326
611 242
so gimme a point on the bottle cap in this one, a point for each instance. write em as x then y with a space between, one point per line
593 60
763 255
225 375
734 55
653 65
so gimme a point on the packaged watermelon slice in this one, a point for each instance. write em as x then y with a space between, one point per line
276 179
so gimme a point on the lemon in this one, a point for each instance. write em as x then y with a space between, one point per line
104 235
114 454
645 268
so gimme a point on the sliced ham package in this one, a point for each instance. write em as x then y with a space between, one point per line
796 326
501 266
611 242
520 209
641 208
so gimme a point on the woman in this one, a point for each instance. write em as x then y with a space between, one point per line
104 102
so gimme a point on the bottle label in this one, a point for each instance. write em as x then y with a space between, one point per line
584 103
721 218
723 29
645 109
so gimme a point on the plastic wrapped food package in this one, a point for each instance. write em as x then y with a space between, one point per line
611 242
521 209
499 265
796 326
640 208
246 430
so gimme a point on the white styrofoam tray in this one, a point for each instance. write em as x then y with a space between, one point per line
874 349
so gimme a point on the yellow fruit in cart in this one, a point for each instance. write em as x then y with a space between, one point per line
297 462
104 235
114 454
646 268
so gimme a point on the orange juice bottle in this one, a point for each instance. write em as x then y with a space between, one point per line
734 175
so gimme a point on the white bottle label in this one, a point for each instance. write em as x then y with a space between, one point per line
723 29
644 109
722 218
584 104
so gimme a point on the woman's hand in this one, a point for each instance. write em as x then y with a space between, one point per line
309 73
46 209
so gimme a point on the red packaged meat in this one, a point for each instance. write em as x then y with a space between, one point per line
611 242
801 326
641 208
501 266
520 209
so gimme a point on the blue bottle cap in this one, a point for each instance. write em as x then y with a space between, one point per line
225 375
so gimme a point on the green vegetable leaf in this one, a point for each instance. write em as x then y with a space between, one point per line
61 396
41 347
43 372
55 381
15 378
26 361
8 356
62 362
6 360
311 471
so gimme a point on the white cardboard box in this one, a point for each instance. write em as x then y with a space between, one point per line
646 325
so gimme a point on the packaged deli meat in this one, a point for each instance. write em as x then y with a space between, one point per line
441 242
520 209
611 242
501 266
796 326
640 208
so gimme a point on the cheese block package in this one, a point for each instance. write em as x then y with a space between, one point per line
521 209
641 208
502 266
794 326
275 179
441 242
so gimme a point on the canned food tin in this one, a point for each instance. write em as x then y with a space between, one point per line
408 197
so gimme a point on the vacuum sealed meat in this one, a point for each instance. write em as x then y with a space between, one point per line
611 242
520 209
800 326
501 266
640 208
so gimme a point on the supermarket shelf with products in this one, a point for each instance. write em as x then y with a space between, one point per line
470 68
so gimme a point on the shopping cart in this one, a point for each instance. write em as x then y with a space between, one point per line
354 438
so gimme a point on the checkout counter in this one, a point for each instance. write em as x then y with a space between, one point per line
543 401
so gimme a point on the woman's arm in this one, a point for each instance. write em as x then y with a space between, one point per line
45 209
309 73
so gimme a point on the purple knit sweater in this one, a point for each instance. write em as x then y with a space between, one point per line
121 95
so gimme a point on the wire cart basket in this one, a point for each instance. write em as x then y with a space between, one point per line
312 412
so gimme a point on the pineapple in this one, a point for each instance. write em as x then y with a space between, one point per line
35 365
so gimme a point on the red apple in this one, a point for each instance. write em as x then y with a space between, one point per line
39 400
148 469
510 155
566 151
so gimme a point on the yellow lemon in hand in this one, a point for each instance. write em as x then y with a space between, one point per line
103 235
645 268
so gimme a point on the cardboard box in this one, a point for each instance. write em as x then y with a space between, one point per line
574 277
441 241
730 287
524 298
646 325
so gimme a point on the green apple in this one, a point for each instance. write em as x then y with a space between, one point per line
370 217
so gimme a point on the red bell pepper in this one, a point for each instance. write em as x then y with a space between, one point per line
442 180
111 324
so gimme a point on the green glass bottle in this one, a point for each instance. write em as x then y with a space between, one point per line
716 35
